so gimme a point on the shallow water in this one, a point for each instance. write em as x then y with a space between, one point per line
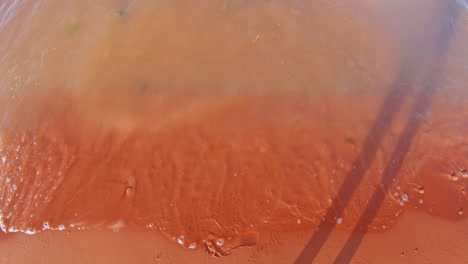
216 122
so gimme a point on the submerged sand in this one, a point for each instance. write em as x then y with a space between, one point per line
233 124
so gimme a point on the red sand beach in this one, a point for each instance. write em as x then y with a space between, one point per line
261 131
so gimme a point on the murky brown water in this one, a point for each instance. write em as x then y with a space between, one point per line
215 122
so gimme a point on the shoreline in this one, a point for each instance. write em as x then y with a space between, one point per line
187 170
413 239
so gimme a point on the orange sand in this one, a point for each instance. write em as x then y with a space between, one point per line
298 130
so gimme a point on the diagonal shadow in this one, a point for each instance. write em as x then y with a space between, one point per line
394 99
360 165
417 114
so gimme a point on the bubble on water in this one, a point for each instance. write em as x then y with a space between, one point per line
61 227
4 160
460 211
14 187
192 246
2 224
339 220
180 240
404 197
396 194
45 226
299 221
454 177
220 242
464 173
129 190
30 231
421 190
421 201
117 226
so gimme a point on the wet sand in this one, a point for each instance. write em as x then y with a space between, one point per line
412 240
243 129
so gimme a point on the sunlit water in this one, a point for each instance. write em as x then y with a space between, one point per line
214 121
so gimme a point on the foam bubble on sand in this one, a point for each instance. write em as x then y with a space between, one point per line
117 226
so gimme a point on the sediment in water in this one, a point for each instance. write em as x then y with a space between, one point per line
211 167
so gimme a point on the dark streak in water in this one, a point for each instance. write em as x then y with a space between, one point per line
122 12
